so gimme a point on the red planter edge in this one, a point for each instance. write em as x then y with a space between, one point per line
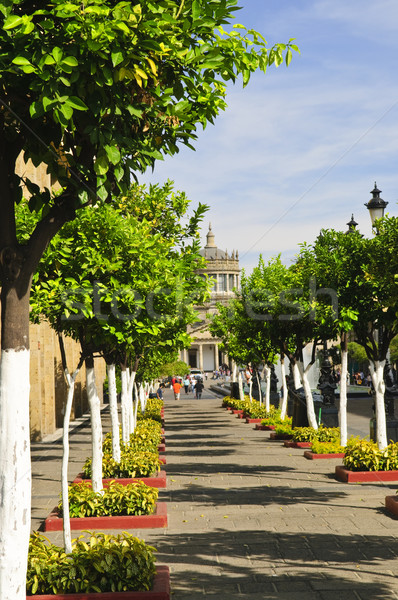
343 474
160 591
157 519
291 444
312 456
158 481
264 427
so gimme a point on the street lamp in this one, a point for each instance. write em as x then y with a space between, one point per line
376 205
352 225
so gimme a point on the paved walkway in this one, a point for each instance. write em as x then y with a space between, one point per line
249 518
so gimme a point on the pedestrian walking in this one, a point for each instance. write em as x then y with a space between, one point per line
177 390
199 389
186 384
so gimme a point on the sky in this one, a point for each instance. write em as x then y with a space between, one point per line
300 148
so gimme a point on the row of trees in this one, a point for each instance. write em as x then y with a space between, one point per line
341 287
95 90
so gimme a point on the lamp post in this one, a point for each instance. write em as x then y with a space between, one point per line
376 207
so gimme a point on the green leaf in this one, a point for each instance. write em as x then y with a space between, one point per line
117 58
21 60
11 22
196 8
113 154
76 103
71 61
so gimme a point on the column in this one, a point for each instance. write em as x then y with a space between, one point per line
216 361
200 348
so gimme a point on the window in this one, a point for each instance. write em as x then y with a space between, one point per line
231 282
222 282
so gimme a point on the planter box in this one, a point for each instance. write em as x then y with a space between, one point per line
162 460
265 427
313 456
237 411
391 504
158 519
280 436
253 420
162 448
157 481
343 474
291 444
160 591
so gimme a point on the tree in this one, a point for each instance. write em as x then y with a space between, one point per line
95 91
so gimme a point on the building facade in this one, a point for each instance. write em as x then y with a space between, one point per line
223 270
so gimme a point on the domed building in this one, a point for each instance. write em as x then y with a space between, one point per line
223 269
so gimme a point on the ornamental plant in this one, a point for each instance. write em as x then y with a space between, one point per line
103 563
322 434
132 464
284 429
116 500
364 455
274 418
335 447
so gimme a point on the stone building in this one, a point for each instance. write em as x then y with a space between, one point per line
223 269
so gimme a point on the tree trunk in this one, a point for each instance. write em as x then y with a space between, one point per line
267 387
377 373
343 396
96 427
15 465
111 370
296 376
240 383
125 404
15 473
131 409
70 380
308 395
283 404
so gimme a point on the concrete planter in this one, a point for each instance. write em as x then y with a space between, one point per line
157 481
343 474
253 420
158 519
237 411
279 436
312 456
292 444
159 591
265 427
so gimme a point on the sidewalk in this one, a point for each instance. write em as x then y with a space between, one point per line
249 518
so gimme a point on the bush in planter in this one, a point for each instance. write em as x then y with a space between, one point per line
132 464
364 455
237 404
274 418
322 434
283 429
116 500
152 410
327 447
103 563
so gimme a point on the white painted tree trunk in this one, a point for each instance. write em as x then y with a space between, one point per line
142 397
296 376
234 374
240 383
267 387
377 373
308 395
70 381
135 405
130 409
260 394
111 371
250 389
96 431
343 398
283 403
124 402
15 473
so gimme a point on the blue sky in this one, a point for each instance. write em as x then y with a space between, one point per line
300 148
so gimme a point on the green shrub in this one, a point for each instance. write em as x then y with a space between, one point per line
284 428
318 447
116 500
152 410
322 434
132 464
274 418
103 563
364 455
